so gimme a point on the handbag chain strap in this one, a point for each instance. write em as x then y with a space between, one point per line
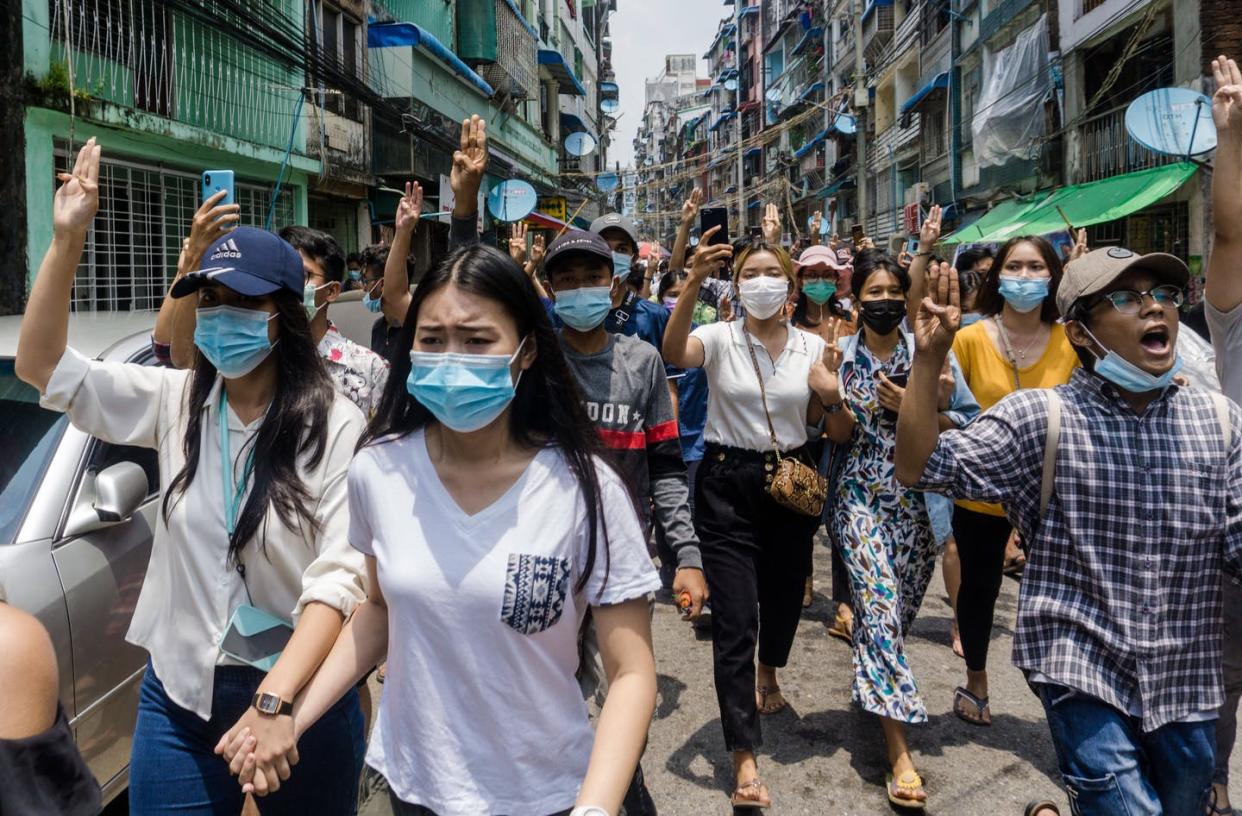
1013 359
763 395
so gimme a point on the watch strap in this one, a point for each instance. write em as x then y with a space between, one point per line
262 702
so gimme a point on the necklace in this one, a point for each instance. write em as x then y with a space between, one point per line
1016 359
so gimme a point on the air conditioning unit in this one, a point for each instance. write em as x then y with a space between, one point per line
918 193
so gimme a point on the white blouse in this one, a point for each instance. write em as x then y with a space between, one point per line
735 414
191 590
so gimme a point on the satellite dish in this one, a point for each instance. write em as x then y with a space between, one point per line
512 200
579 144
650 161
730 84
1173 121
845 124
606 182
773 94
609 105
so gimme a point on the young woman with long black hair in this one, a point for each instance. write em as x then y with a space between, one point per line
490 525
253 450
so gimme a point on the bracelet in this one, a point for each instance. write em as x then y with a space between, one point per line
589 810
921 254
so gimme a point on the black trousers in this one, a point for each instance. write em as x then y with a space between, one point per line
981 551
757 556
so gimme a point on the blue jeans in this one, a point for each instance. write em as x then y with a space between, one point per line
173 767
1112 768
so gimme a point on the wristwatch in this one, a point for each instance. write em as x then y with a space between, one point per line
588 810
271 704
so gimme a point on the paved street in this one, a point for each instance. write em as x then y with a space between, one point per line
822 756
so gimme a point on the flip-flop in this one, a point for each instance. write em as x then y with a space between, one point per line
1041 804
740 799
981 704
764 692
908 781
1218 811
808 593
840 629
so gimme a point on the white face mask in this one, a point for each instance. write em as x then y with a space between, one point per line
764 296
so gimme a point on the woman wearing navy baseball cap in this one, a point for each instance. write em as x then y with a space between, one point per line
251 576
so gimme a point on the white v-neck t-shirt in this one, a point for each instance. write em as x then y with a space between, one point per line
481 713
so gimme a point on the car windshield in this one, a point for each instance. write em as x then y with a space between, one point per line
28 437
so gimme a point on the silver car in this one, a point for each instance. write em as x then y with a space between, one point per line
77 516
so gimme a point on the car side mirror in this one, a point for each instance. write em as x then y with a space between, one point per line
107 498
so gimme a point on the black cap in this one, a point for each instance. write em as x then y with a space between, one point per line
578 242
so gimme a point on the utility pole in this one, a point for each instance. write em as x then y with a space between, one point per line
860 123
737 107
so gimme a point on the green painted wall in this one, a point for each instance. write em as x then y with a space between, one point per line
434 16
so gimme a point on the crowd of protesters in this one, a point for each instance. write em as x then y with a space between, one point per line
477 503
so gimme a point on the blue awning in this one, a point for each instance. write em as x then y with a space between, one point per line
554 61
749 10
715 87
387 35
812 143
572 123
814 87
754 151
754 205
833 187
940 81
724 117
809 37
732 188
872 5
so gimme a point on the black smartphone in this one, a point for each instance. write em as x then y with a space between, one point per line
857 233
714 217
900 381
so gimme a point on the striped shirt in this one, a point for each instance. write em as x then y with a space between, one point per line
1121 597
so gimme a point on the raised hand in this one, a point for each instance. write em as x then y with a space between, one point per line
823 378
690 208
517 242
469 164
1227 101
77 200
817 220
709 258
771 224
537 249
940 313
410 208
1080 245
210 221
929 233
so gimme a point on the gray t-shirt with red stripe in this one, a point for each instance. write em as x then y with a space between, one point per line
625 391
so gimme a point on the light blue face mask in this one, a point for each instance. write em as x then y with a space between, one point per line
372 304
584 309
308 299
819 291
620 264
1129 377
1023 294
234 340
971 318
355 274
465 392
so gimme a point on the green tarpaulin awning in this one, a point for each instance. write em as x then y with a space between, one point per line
1000 216
1083 205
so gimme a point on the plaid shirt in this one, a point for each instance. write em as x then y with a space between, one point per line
1121 597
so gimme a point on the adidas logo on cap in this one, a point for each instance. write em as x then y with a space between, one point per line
227 250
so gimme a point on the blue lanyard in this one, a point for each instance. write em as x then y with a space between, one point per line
233 491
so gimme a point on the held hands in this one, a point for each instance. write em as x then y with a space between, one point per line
689 581
771 224
940 313
469 164
1227 101
261 751
690 208
709 258
77 200
410 208
929 233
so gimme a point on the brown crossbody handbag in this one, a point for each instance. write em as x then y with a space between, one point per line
795 485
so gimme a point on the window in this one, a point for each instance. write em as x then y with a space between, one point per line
145 211
338 38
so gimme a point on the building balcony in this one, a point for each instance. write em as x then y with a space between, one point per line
877 28
501 44
1105 149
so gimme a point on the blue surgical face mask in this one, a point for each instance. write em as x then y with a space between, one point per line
308 299
1023 294
234 340
1126 375
584 309
465 392
971 318
620 264
372 304
355 274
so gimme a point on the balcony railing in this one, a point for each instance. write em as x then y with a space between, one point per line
877 31
516 69
1105 149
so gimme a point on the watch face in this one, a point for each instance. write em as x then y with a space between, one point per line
268 703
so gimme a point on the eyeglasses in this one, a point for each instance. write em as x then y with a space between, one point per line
1129 302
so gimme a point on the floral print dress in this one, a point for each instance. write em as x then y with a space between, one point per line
886 542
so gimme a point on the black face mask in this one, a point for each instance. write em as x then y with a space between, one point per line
882 316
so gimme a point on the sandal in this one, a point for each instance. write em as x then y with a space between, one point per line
842 629
1214 810
808 594
1014 566
1042 804
981 705
752 795
766 691
909 783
